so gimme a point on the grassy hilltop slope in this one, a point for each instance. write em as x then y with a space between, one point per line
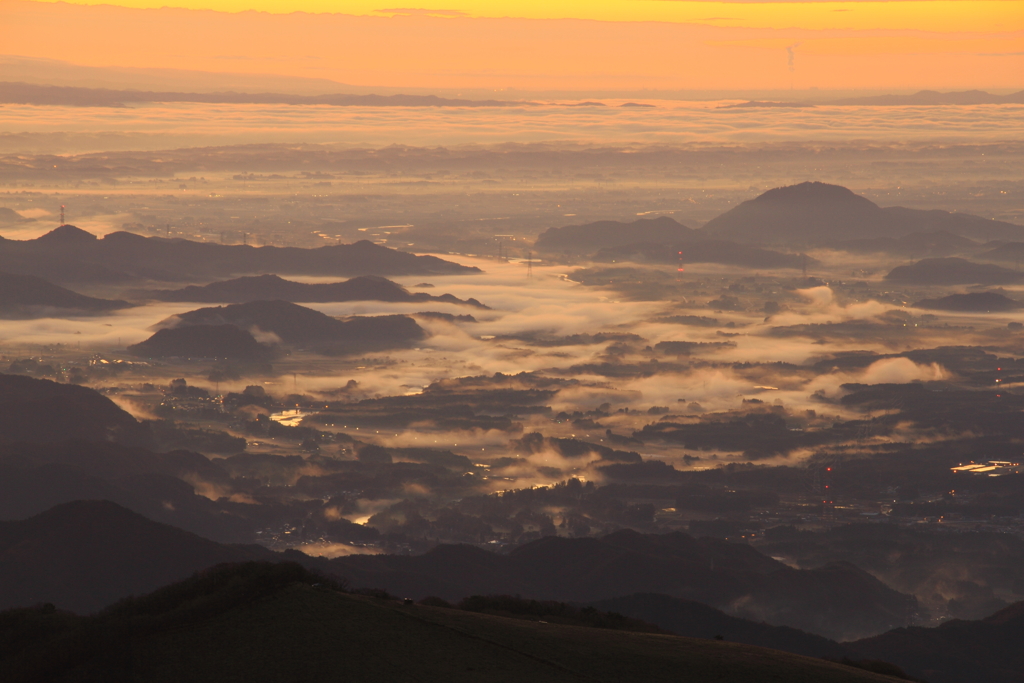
259 622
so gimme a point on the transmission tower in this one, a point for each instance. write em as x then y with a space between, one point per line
828 503
62 224
529 265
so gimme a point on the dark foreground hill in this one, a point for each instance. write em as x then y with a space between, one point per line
259 622
837 601
591 237
952 271
974 302
818 213
272 287
27 296
69 254
306 328
957 651
41 410
108 559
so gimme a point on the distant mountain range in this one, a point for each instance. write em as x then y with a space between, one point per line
274 287
69 254
933 97
920 98
13 92
29 93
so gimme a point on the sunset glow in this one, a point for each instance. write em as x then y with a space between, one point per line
922 15
544 45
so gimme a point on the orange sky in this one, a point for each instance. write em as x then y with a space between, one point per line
556 44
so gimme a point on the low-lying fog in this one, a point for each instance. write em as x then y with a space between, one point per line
546 324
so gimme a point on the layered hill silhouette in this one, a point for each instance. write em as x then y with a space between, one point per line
273 287
84 555
820 214
161 486
25 296
12 216
837 600
69 254
1007 252
952 271
39 410
265 622
293 325
973 302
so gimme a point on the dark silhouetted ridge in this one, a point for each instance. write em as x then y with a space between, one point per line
833 601
952 271
974 302
933 98
25 295
956 651
69 254
38 410
818 213
84 555
201 341
31 93
67 235
300 326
